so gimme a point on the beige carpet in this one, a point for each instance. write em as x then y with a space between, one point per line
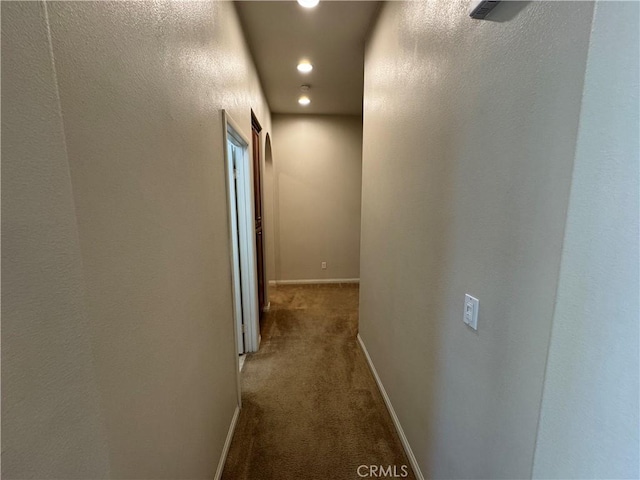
310 406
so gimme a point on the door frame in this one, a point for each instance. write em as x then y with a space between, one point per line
247 253
235 147
257 144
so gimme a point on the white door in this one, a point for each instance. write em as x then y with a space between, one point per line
233 155
245 282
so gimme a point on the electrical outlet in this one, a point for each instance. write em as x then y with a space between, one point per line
324 265
471 307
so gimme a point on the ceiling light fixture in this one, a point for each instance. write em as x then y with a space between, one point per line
308 3
304 100
304 66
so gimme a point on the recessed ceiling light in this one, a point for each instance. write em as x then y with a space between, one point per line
308 3
304 67
304 100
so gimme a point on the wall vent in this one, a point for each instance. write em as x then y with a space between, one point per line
480 8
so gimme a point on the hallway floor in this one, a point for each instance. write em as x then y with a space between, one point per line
310 406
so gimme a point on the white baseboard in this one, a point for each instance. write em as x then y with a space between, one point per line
227 444
392 412
313 281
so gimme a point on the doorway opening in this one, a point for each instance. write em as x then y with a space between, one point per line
241 226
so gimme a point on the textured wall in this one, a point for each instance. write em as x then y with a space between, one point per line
141 85
52 424
469 139
589 420
318 160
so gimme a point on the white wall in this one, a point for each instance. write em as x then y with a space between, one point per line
469 140
117 316
52 421
589 421
318 175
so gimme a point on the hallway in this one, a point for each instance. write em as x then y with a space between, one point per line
447 205
310 407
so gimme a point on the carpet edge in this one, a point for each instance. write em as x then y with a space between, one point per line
227 444
396 422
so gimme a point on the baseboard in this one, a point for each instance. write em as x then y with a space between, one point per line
227 444
392 412
313 281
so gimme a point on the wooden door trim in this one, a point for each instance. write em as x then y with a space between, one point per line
255 123
256 128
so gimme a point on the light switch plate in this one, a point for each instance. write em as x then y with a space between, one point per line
471 307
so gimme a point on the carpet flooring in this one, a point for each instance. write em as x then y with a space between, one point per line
310 406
